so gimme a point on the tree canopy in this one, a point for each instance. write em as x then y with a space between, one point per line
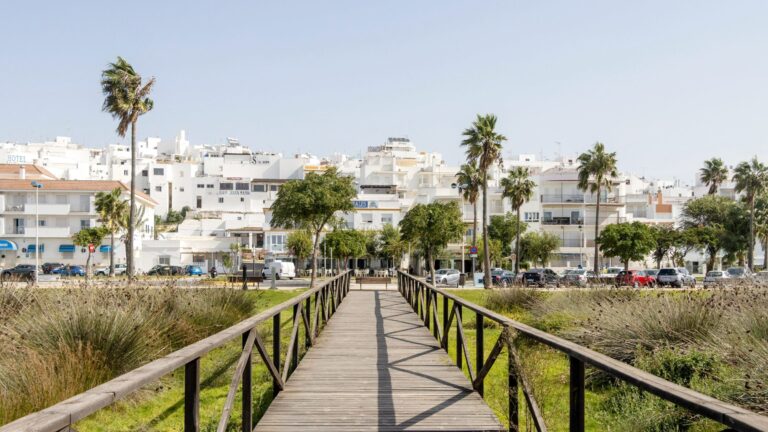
538 247
627 241
430 227
504 229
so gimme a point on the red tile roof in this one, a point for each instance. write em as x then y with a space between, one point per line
33 172
72 185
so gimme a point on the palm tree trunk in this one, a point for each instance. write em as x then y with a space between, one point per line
87 267
751 252
111 254
129 252
517 244
765 252
314 259
487 257
474 224
597 229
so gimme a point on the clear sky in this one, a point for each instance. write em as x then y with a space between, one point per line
666 84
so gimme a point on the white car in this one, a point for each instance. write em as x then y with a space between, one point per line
675 277
120 269
446 277
716 278
282 269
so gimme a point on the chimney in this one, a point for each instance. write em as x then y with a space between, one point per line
22 172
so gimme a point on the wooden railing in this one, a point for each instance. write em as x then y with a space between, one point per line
424 298
311 309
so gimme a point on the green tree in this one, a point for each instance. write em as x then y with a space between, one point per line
706 217
469 186
299 242
173 217
345 244
126 98
505 230
111 208
684 240
627 241
391 245
597 169
735 238
751 178
496 252
430 227
86 237
538 247
664 239
518 187
713 174
483 149
312 203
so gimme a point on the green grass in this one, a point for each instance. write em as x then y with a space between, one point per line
160 406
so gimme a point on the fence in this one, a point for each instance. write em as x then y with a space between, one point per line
424 299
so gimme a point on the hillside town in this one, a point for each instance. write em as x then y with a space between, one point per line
200 204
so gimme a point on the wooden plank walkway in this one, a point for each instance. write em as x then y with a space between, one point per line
376 367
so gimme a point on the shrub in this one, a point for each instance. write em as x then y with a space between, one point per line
508 300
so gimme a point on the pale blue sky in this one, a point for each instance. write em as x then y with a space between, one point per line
666 84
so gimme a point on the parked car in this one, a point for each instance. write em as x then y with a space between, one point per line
505 279
579 277
716 278
541 277
740 273
653 274
609 276
675 277
634 278
165 270
48 267
447 276
69 270
120 269
20 272
193 270
282 269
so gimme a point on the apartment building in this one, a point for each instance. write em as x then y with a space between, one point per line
54 213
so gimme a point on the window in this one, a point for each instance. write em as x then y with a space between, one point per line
144 173
164 260
221 200
209 186
200 186
158 171
242 199
386 218
181 189
85 223
225 186
41 222
531 216
158 188
259 188
199 202
367 218
274 188
241 186
125 172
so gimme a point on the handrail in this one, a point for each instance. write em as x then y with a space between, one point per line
327 298
727 414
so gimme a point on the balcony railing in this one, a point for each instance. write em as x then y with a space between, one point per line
580 199
566 220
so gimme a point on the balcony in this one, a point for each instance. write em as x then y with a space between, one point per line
46 209
562 199
41 231
566 220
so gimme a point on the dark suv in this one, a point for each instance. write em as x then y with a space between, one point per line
20 272
166 270
49 267
541 277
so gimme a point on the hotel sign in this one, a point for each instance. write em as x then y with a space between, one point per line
365 204
16 159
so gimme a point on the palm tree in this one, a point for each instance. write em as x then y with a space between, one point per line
469 185
761 225
111 208
713 174
483 145
518 187
127 98
125 223
751 178
596 171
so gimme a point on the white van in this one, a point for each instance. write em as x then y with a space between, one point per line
282 269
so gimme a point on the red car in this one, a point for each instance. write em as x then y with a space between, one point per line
635 278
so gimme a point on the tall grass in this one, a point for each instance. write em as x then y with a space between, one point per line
60 342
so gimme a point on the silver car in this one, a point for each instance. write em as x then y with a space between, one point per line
676 277
716 278
446 277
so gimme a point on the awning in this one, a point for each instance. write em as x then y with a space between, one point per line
66 248
7 245
104 248
32 248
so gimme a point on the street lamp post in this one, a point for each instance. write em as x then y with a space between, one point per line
37 187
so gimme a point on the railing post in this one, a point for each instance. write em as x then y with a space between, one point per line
445 321
276 350
434 317
247 408
459 341
428 308
576 395
514 410
479 351
295 353
192 396
307 332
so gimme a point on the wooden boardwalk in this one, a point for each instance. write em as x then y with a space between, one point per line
376 367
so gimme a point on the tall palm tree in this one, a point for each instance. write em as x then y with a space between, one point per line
713 174
518 187
596 171
751 178
483 145
112 209
126 98
469 184
761 225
